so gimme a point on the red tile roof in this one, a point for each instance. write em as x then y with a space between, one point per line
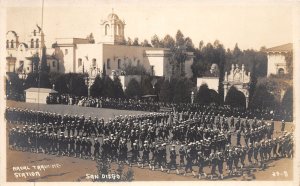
281 48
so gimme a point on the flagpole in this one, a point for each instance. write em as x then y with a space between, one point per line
41 58
42 14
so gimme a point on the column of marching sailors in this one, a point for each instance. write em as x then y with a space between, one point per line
204 140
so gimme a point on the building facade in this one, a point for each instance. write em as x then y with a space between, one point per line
276 58
109 53
24 57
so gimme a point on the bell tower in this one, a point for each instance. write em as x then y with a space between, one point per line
37 40
112 30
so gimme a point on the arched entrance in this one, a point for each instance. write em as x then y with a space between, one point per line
280 71
235 98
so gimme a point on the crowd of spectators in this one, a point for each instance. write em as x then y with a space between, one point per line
154 106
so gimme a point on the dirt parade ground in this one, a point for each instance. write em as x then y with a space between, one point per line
41 167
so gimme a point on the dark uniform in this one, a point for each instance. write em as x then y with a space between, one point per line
172 162
96 148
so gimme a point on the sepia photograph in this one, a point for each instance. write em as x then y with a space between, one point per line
127 91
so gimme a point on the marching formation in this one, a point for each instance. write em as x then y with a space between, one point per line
168 141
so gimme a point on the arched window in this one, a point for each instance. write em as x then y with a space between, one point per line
94 62
280 71
79 62
119 63
106 29
108 63
37 43
34 32
7 43
12 44
32 43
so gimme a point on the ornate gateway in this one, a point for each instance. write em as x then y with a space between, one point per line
238 78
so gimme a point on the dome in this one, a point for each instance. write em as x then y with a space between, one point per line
112 16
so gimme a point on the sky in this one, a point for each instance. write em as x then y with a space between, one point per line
250 25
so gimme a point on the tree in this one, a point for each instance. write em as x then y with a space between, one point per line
135 42
118 90
220 61
274 84
129 41
108 87
177 59
287 100
289 63
200 65
168 42
204 58
14 86
262 98
158 85
155 42
253 82
179 39
35 62
215 97
133 89
236 51
189 44
40 79
59 81
130 69
201 44
235 98
146 85
261 65
145 43
182 91
44 66
76 84
97 87
203 95
165 94
178 56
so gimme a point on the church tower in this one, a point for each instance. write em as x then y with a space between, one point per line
36 40
112 30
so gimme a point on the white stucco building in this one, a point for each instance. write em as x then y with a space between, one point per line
276 58
19 56
38 95
107 53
